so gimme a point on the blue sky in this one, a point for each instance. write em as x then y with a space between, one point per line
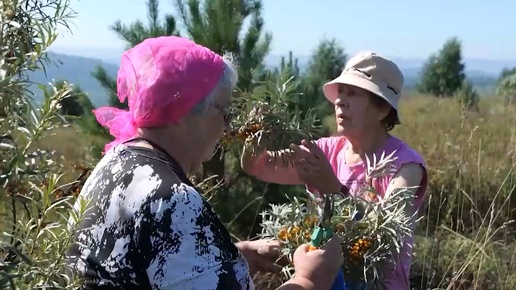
400 28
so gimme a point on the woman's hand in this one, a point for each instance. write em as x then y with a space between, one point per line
316 269
313 167
262 255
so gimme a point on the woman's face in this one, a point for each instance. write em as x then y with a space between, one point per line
215 122
355 113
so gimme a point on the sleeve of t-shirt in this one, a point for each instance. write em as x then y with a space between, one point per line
178 246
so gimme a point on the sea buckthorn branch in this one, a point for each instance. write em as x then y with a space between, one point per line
369 241
269 118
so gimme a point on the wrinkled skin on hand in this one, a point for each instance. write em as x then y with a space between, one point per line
263 255
313 167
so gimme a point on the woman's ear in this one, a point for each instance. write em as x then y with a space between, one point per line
383 112
383 108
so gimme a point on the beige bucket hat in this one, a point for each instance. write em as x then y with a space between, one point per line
371 72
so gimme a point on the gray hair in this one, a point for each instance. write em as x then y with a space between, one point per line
228 80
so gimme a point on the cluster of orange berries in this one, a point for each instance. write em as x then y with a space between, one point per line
359 248
310 221
240 134
299 234
294 234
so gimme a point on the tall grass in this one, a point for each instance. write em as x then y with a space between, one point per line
467 237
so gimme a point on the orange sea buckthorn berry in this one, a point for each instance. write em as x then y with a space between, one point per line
309 221
295 230
282 234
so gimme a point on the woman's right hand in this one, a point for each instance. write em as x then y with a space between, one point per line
319 266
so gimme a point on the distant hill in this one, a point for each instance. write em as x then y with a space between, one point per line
78 69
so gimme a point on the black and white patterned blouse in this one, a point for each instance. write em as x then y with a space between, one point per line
148 228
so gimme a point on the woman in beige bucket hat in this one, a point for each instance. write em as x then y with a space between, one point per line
365 96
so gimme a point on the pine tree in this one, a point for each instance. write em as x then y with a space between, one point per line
133 34
288 66
443 73
218 25
77 104
326 63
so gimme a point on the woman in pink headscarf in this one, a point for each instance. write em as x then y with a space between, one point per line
147 227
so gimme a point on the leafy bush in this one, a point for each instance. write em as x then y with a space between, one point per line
468 96
507 88
34 199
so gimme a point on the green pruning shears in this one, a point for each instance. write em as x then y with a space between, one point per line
323 231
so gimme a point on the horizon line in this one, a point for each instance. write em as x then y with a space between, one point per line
277 54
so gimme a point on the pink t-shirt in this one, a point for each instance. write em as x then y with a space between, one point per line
353 176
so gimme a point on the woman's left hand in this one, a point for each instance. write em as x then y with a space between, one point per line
314 168
262 255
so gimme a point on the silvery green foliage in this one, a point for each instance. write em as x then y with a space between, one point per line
385 222
36 217
270 117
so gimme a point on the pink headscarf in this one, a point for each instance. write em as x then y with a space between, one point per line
162 78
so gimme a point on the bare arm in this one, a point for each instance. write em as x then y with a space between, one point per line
408 177
269 166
